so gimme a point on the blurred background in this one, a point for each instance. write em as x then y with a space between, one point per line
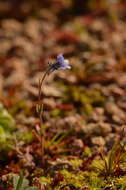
21 9
91 34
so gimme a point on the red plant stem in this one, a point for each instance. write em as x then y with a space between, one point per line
40 112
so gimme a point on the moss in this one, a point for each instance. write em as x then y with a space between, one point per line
84 100
96 97
27 137
6 140
76 163
56 113
2 135
6 120
77 179
45 180
87 152
93 180
84 179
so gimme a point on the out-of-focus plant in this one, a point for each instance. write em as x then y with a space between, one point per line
20 183
7 125
6 120
60 63
115 163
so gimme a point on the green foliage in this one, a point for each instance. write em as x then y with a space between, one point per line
58 138
90 180
116 158
3 138
2 135
85 100
21 183
45 180
6 141
76 163
121 182
103 173
6 120
70 178
7 125
56 112
87 152
27 137
112 167
76 180
93 180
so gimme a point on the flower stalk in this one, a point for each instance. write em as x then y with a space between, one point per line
60 63
40 111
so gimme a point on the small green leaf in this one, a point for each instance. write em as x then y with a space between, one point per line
17 181
2 135
21 183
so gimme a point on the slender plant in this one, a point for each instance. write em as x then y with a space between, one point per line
60 63
112 165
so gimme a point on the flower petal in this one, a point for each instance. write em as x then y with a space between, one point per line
60 58
60 63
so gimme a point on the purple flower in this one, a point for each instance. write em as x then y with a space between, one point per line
60 63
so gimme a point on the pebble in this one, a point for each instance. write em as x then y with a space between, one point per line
100 128
98 141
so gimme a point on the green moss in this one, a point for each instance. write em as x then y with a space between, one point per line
7 125
120 182
6 120
83 99
87 152
96 97
6 141
86 179
76 163
2 135
45 180
93 180
87 109
27 137
55 113
76 179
